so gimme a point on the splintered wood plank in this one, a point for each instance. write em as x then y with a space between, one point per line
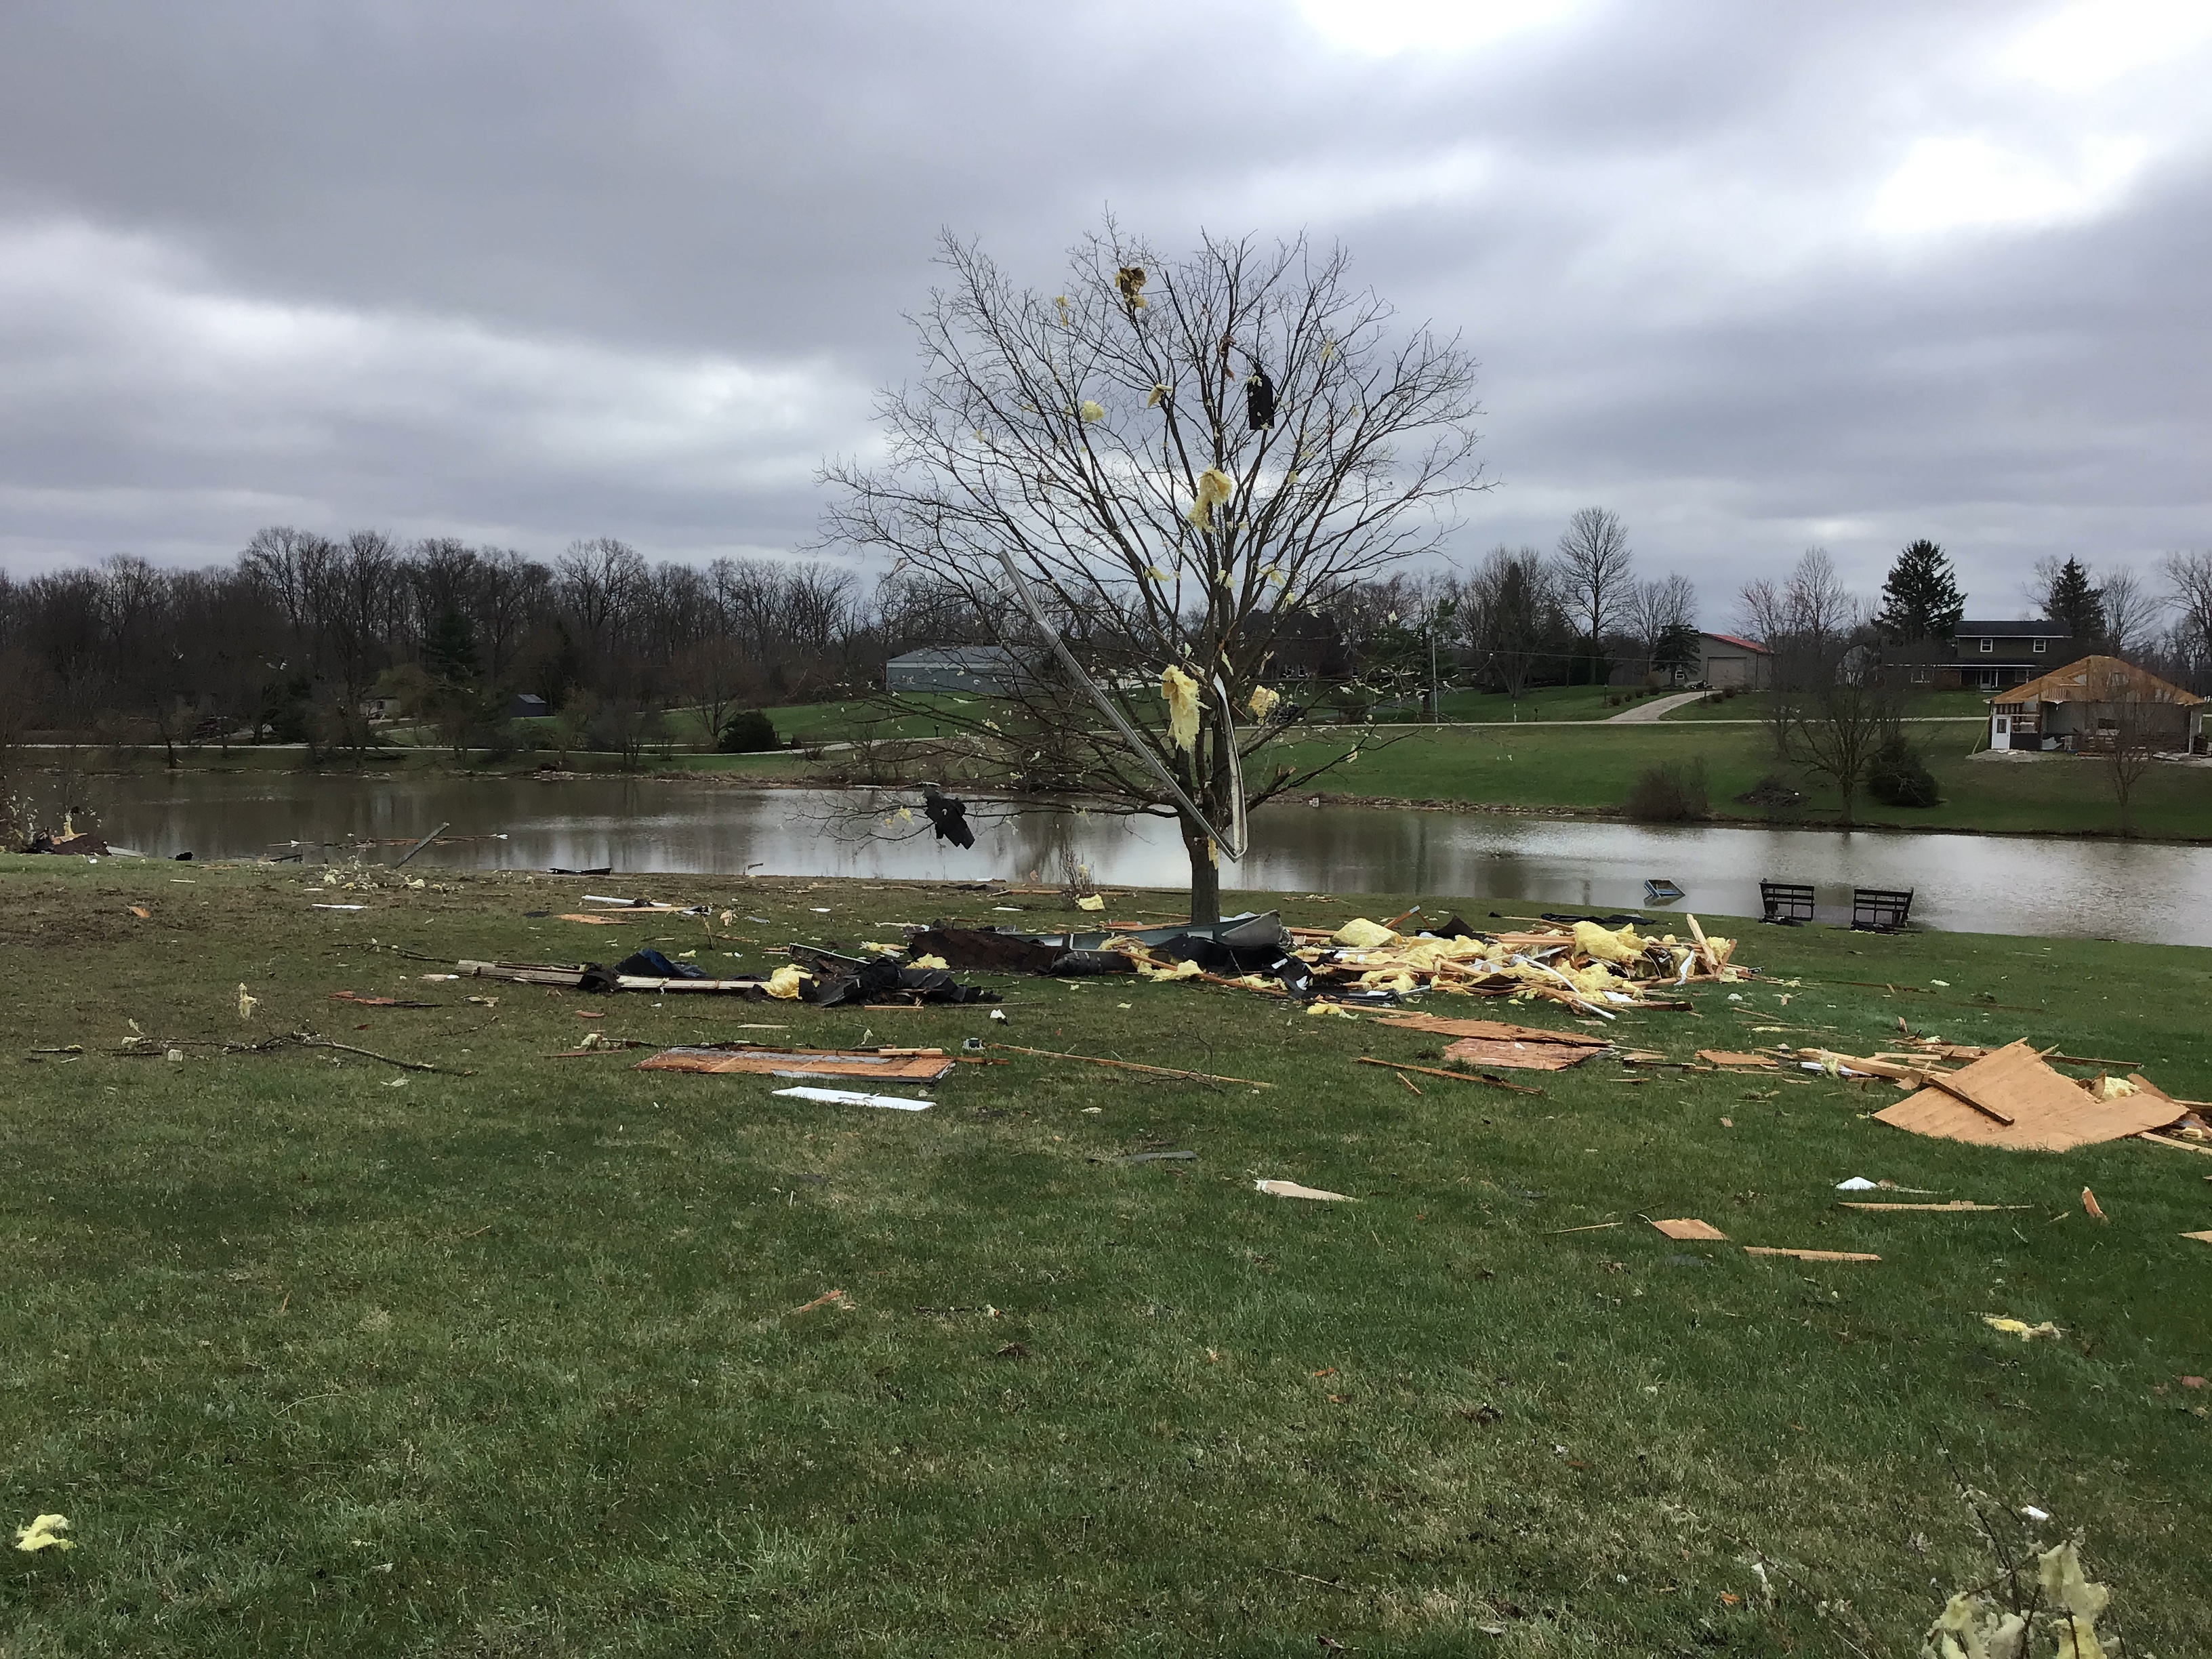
1731 1057
1957 1207
1687 1227
2049 1112
1809 1255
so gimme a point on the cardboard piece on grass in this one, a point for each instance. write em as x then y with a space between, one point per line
781 1062
848 1097
1688 1227
2050 1112
1808 1255
1292 1189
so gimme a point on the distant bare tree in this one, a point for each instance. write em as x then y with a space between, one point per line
711 674
1834 727
1760 614
2132 612
1810 608
2134 732
1596 575
1177 460
1513 615
1659 612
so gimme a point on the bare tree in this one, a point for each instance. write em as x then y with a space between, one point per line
1759 612
711 674
1595 575
2134 732
2132 612
2189 590
1659 613
1165 465
1513 615
1833 729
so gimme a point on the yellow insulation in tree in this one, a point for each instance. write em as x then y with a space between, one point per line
1214 487
1182 693
1262 701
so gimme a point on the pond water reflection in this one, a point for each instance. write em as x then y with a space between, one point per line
2146 892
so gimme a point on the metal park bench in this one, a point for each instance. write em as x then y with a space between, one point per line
1785 903
1880 909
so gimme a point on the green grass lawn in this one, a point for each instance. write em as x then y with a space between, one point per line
320 1355
1591 768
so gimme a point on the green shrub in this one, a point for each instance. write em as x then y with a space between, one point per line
1673 793
1900 777
748 731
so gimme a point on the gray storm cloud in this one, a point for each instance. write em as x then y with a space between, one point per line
1754 277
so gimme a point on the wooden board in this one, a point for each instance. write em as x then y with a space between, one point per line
1495 1030
2050 1112
1689 1227
2204 1238
1809 1255
1519 1056
775 1062
1729 1057
1957 1207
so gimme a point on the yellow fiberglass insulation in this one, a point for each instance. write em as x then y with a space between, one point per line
1180 970
1330 1009
784 983
1972 1628
1214 486
1262 701
1389 979
1606 945
928 962
1362 934
1091 410
1182 693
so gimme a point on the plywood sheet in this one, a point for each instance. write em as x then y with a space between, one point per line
1687 1227
1496 1029
776 1062
1518 1057
2050 1112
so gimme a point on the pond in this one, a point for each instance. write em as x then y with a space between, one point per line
2014 884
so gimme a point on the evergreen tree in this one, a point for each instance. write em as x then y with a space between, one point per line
2075 604
1921 599
450 651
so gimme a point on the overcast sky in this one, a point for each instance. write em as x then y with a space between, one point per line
1754 276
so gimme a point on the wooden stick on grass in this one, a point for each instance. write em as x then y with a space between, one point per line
1132 1066
1456 1077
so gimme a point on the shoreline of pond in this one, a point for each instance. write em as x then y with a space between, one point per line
751 783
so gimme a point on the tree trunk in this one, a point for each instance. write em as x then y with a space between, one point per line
1204 874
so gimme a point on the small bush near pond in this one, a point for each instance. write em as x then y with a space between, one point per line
749 731
1900 777
1673 792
